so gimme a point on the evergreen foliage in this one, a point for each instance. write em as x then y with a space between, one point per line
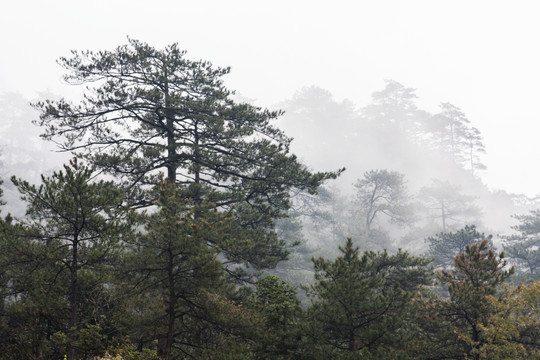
147 110
524 248
175 276
455 328
140 268
61 260
444 247
279 333
363 304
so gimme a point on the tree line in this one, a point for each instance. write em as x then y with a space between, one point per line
150 243
392 126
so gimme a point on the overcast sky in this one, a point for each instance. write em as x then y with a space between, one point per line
482 56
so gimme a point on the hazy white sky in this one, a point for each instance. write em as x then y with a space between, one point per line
482 56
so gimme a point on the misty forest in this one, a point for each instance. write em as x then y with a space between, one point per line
154 213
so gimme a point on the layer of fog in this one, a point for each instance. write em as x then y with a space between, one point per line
328 135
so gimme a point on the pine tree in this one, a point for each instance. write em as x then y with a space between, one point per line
512 330
456 327
177 284
64 254
475 147
395 106
154 110
446 202
444 247
279 332
381 193
452 124
363 304
523 248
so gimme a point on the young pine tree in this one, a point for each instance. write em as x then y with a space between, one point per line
456 327
66 252
363 303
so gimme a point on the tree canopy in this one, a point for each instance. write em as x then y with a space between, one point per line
147 110
362 302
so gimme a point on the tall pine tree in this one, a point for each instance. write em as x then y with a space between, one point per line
152 110
177 285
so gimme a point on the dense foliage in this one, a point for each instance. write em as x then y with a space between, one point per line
137 265
86 277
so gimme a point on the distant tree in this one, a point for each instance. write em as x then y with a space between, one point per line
22 152
381 193
61 263
524 248
395 106
323 214
21 148
452 125
315 224
475 148
152 110
314 115
2 202
452 134
444 247
362 304
445 201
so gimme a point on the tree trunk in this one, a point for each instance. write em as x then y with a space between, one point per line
73 299
197 196
171 143
443 216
